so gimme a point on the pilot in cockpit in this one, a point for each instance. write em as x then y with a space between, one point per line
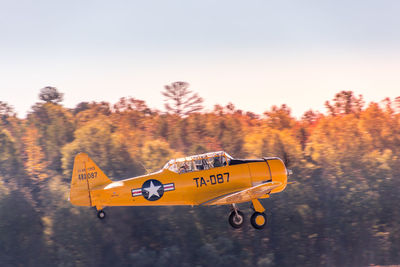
184 168
217 162
199 165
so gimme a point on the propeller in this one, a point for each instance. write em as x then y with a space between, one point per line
286 161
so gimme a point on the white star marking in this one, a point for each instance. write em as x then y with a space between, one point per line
153 190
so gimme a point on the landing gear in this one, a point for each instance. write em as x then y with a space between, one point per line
101 214
236 219
258 220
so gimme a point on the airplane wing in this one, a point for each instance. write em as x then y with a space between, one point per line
245 195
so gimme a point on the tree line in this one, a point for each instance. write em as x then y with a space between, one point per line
342 209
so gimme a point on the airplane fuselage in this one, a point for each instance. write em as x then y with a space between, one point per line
191 188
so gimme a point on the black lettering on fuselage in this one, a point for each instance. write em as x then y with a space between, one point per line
212 180
202 181
197 182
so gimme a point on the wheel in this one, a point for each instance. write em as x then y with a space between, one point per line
236 219
101 214
258 220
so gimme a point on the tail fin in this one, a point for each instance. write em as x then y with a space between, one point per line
85 176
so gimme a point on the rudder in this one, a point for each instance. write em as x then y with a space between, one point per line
86 175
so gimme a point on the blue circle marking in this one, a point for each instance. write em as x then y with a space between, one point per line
152 190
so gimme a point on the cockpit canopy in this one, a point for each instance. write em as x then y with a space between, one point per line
199 162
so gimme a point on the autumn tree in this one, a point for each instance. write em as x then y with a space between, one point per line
155 154
397 104
9 160
105 147
81 107
55 126
132 112
345 102
280 117
126 104
180 100
10 122
6 111
35 163
162 127
86 112
227 129
135 123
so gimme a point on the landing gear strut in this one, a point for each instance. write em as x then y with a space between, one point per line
236 218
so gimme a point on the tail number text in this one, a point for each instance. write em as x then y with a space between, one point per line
90 175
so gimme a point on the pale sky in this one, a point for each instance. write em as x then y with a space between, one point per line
254 54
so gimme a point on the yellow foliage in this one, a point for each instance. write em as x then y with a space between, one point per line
253 144
155 154
35 163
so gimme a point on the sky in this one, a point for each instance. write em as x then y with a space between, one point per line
252 53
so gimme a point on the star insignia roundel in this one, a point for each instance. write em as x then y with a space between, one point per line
152 190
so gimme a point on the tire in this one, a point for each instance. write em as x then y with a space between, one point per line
236 221
258 220
101 214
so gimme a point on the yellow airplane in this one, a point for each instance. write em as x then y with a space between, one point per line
207 179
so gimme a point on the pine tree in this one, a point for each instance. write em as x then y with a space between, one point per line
180 100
